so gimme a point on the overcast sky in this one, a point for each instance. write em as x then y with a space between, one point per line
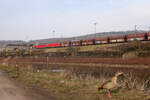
36 19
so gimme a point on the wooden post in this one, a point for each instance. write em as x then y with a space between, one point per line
47 61
17 70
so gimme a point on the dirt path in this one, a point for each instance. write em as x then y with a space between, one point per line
9 90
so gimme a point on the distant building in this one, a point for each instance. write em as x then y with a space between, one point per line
10 47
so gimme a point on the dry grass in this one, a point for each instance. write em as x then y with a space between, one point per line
85 48
70 86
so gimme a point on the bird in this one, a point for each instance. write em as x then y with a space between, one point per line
111 84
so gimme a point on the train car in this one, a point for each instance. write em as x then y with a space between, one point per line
148 35
117 39
53 45
41 46
140 37
101 40
75 43
84 42
66 44
88 42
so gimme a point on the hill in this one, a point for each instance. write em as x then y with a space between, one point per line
84 37
55 40
5 42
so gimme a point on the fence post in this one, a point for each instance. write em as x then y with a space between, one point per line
47 61
17 70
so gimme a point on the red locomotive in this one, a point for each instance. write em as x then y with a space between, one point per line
48 46
105 40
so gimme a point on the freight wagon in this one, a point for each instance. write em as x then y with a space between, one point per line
140 37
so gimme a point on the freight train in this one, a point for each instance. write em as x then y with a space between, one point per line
97 41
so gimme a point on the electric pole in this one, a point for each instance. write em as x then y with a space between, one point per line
95 24
53 33
135 33
135 28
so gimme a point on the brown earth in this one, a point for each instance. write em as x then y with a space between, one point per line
12 90
133 61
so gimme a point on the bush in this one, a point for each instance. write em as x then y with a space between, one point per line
131 54
72 51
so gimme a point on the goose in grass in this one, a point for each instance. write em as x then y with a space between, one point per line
111 84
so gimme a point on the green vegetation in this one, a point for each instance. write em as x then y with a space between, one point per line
82 48
134 49
72 51
21 53
70 86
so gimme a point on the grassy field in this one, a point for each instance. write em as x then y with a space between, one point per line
70 86
106 47
84 48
